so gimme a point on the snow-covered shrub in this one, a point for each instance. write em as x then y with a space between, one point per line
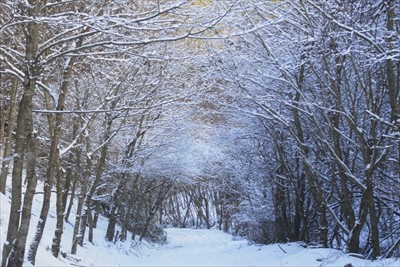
156 234
261 232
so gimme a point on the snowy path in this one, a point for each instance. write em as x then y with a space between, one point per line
189 247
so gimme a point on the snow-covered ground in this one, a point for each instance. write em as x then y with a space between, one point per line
186 247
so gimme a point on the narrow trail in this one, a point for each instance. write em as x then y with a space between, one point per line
190 247
204 247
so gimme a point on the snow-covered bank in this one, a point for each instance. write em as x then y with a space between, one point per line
186 247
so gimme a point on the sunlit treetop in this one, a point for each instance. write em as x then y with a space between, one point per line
202 3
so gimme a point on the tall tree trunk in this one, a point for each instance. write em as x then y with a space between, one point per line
8 138
394 99
3 115
59 181
298 220
391 76
90 223
315 187
24 146
55 246
16 182
345 194
374 237
46 203
18 251
280 204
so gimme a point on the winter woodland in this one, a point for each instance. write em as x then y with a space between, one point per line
273 120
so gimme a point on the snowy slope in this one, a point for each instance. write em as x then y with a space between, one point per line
186 247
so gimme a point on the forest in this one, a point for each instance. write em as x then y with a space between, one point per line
273 120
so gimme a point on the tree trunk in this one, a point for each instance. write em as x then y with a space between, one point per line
75 239
8 138
45 206
67 184
281 221
298 220
59 182
16 183
72 196
96 214
24 146
77 168
90 223
55 246
3 115
391 76
18 251
345 195
353 242
374 237
76 236
112 221
316 189
207 211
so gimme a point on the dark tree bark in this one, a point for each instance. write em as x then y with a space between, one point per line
5 164
25 148
112 221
